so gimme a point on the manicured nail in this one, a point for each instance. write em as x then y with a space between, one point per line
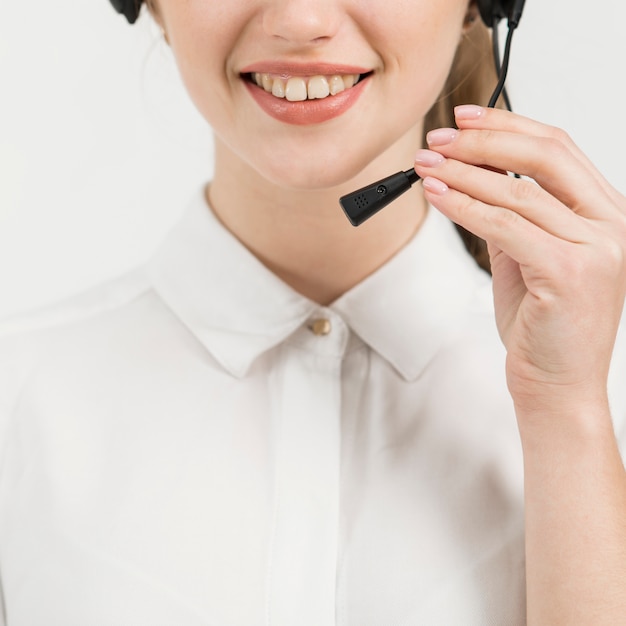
441 136
428 158
468 112
434 185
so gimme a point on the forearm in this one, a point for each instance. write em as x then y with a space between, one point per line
575 498
557 247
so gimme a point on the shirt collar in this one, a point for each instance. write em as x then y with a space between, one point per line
238 309
411 306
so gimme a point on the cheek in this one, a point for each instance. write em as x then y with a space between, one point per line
201 35
415 54
201 58
420 38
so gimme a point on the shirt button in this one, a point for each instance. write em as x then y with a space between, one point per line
320 327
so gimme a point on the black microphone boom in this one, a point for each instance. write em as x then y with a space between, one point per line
360 205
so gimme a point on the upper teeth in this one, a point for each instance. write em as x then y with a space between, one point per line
298 88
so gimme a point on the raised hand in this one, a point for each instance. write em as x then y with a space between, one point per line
558 252
557 247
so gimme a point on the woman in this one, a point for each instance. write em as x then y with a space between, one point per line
286 420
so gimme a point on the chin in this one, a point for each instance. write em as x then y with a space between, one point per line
317 173
311 180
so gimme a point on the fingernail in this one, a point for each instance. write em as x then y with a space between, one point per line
434 185
441 136
468 112
428 158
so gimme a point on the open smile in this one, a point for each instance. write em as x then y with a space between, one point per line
304 95
300 88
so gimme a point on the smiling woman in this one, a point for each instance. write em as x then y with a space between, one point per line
280 419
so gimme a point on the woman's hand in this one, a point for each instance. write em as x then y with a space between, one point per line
557 247
558 255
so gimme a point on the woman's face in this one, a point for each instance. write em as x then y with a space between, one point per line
401 49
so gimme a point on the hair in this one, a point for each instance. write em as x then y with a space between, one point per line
471 81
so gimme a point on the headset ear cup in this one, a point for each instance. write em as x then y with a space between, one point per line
497 10
128 8
484 7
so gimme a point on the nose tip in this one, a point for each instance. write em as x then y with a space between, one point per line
301 22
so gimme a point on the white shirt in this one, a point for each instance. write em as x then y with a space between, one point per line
179 447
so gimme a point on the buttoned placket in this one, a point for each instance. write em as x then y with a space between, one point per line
306 417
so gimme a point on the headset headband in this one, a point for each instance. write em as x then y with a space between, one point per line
491 11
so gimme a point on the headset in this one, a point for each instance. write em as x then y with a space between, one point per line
128 8
490 10
363 203
360 205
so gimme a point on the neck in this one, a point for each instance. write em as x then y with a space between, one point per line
303 236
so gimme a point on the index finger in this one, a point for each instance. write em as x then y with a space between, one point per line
471 116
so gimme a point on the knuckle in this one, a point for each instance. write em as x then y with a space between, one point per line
501 219
554 148
524 192
615 255
604 260
467 204
610 245
621 227
478 141
558 134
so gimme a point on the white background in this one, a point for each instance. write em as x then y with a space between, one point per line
100 150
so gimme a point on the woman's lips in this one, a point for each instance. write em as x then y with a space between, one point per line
302 69
306 112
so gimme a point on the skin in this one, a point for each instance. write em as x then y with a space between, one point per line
558 245
558 251
276 186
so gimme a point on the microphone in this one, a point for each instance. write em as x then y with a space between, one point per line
361 204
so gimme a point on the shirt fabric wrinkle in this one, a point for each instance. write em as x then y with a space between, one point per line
365 474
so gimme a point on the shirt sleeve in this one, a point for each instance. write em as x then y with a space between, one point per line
12 374
8 378
2 612
16 362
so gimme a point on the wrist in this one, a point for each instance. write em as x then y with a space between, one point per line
572 427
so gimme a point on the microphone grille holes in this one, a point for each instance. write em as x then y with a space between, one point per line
361 201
